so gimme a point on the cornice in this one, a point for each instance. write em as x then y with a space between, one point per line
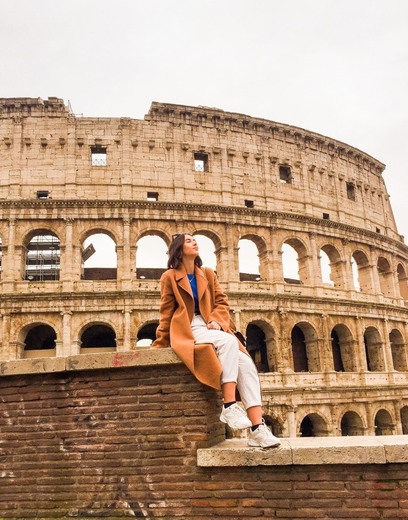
273 216
201 115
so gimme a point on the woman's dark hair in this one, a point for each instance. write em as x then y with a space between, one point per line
176 252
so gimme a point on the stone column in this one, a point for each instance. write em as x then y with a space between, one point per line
326 363
348 271
11 264
124 261
315 277
291 419
283 345
67 258
67 348
126 345
275 262
386 346
361 351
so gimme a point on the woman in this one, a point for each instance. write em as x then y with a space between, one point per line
195 321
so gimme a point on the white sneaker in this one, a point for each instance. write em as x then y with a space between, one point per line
235 417
262 437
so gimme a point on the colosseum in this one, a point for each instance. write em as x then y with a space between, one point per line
298 226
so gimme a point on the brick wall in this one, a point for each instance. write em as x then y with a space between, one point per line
121 441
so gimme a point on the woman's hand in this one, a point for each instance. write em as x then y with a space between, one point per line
213 325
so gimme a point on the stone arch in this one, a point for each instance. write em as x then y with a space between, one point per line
99 257
334 269
313 425
398 351
251 249
383 423
351 424
343 351
305 348
402 281
38 339
292 261
97 336
151 254
146 334
43 255
385 276
374 350
361 271
209 246
404 419
261 344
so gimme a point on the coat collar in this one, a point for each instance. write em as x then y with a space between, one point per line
182 280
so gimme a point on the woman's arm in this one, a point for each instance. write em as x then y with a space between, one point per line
167 307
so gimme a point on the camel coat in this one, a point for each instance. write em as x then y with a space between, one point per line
176 314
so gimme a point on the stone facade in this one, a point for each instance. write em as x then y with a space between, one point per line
331 351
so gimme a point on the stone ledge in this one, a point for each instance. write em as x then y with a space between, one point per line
308 451
138 357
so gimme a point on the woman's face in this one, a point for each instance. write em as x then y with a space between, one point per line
190 246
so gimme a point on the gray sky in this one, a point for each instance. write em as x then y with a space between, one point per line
339 68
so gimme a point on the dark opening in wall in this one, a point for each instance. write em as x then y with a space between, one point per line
351 191
326 216
43 194
249 203
153 196
285 175
99 156
200 162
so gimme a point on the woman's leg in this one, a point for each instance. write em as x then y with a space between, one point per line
249 388
226 346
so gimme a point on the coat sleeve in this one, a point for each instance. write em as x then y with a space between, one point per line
221 311
167 307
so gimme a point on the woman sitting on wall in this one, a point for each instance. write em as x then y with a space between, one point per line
195 321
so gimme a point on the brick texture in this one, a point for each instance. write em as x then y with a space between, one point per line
122 442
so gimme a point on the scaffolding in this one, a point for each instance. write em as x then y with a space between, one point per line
43 258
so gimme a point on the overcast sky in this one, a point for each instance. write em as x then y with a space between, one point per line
338 68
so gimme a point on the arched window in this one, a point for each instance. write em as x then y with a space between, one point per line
404 419
98 338
290 264
300 363
313 426
331 266
402 281
206 249
374 350
385 276
147 334
325 268
398 351
305 349
256 346
351 424
248 257
40 341
383 423
43 257
151 257
361 272
99 257
295 262
344 355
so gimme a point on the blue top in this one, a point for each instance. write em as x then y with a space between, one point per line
193 283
